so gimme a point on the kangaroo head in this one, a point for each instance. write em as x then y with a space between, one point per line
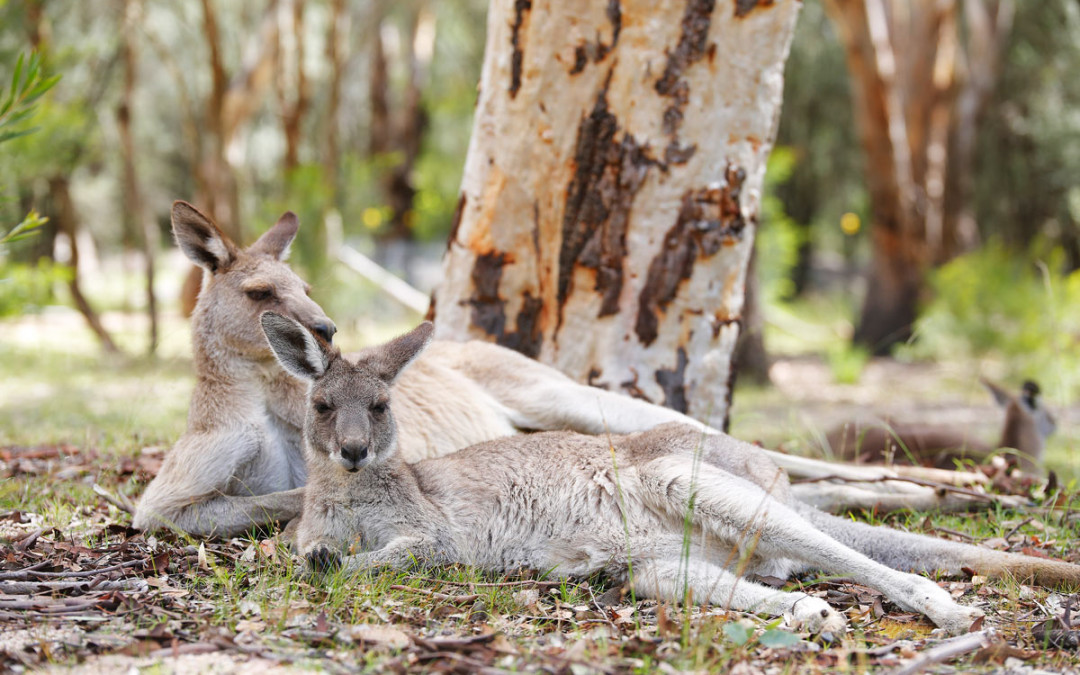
1027 421
348 417
240 284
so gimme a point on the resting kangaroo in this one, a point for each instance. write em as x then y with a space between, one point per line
1027 426
577 504
239 463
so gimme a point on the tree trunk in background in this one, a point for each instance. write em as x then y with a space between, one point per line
232 101
611 188
918 88
139 221
336 36
292 85
67 221
751 358
397 131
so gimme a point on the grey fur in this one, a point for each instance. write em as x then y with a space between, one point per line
577 504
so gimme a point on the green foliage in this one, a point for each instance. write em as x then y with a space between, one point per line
779 237
1028 154
28 84
24 287
26 228
994 303
847 361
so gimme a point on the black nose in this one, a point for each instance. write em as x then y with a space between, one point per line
354 451
325 330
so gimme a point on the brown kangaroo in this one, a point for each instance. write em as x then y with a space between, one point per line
239 462
1027 426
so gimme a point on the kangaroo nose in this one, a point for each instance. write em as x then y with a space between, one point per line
325 330
354 451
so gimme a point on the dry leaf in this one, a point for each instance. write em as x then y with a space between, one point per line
379 636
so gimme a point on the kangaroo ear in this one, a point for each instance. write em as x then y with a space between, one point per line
275 241
391 358
200 239
296 349
1001 397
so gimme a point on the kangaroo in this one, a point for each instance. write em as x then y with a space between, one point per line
576 504
239 464
1027 426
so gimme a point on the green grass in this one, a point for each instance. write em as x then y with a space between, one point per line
55 389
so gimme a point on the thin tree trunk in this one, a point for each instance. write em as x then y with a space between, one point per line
134 209
67 221
336 36
400 129
917 109
611 190
751 358
292 79
230 105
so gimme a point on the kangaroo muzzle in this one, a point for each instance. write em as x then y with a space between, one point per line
353 455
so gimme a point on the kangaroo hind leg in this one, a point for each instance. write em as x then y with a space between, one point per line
741 513
673 580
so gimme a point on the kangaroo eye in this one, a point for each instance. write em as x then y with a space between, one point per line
379 408
260 294
322 407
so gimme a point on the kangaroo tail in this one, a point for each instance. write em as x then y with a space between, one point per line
920 553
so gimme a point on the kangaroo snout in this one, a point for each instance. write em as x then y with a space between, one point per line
324 329
353 454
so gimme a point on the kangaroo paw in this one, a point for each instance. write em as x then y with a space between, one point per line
955 620
817 616
321 560
937 604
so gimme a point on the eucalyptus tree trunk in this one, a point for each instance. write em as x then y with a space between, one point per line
612 186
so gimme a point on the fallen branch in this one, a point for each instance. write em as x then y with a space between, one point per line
436 596
498 584
950 649
1056 638
443 644
28 541
32 587
897 479
118 501
387 282
30 572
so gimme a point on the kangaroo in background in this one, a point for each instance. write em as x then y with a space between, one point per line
1027 426
576 504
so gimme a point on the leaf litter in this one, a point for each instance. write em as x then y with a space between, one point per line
86 591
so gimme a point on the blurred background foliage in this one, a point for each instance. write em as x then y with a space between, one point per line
357 115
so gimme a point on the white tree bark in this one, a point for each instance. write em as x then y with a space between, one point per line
612 186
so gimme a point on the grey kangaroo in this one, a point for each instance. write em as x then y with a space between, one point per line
577 504
1026 427
239 464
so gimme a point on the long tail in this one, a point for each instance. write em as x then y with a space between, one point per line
920 553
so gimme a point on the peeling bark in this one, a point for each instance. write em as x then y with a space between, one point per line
611 188
709 219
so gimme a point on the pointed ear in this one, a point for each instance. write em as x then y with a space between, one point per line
391 358
200 239
275 241
1001 397
296 349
